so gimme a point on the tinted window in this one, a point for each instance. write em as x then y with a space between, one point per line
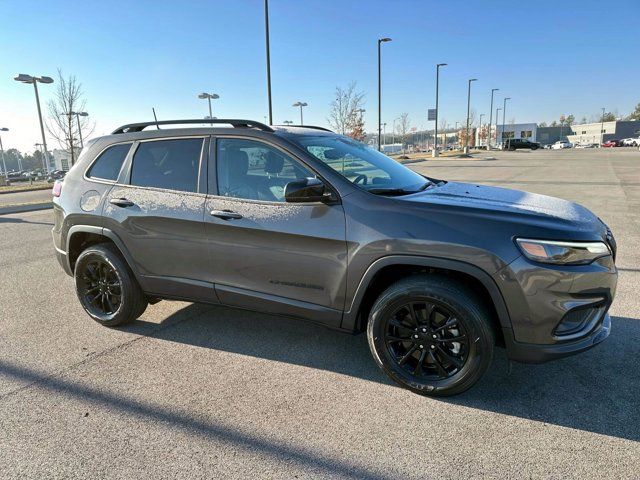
108 164
361 164
255 170
171 164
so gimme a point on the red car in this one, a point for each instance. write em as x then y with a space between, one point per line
611 143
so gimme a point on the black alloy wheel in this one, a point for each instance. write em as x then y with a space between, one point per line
100 287
431 334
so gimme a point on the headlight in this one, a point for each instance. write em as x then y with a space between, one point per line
565 253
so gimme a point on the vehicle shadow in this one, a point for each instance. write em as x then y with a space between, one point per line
4 219
595 391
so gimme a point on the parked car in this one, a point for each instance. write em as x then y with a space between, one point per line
56 175
631 142
519 143
586 145
303 222
611 143
561 144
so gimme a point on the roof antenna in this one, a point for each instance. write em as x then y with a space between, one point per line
156 118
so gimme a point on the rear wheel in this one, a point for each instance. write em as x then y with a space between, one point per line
106 287
431 335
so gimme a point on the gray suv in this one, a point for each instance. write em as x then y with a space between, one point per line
302 222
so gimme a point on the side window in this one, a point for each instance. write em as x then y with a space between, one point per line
171 164
254 170
109 163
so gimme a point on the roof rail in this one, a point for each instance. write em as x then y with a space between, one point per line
314 127
236 123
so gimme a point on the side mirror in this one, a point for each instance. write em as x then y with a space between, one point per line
306 190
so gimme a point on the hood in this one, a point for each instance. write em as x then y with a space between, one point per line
496 201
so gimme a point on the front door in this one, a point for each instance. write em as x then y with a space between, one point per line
266 254
158 214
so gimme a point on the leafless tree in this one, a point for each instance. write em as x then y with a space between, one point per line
345 108
63 125
443 131
403 126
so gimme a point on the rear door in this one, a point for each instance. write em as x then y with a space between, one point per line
157 211
266 254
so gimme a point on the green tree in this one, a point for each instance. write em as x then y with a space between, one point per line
608 117
570 120
635 115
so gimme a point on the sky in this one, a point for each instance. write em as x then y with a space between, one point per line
550 57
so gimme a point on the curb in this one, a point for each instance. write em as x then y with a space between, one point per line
30 207
35 189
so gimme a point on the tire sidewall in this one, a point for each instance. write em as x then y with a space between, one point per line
480 346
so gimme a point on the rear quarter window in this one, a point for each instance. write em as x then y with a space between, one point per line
107 166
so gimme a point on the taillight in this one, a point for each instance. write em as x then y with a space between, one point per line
57 188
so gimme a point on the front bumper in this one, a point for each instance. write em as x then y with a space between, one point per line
541 297
536 353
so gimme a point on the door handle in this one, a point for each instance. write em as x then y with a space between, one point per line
121 202
226 214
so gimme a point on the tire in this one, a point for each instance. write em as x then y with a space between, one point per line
455 305
101 272
512 149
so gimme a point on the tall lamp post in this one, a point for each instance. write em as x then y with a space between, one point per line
435 133
4 165
493 90
466 139
504 111
380 42
78 115
24 78
209 97
266 32
602 128
480 128
300 104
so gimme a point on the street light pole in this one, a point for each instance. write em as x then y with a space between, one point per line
493 90
4 165
435 138
466 146
24 78
602 128
209 97
504 111
266 30
300 104
380 42
480 128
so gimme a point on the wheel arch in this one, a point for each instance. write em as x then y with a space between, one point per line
387 270
80 237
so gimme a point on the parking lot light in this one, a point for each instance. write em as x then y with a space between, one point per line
24 78
493 90
435 132
380 42
4 165
504 111
209 96
300 104
466 139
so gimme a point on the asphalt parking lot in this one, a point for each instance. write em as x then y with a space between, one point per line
193 391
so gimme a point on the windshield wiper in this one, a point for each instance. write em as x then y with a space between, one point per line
398 191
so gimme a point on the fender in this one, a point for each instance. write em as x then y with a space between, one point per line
349 319
105 232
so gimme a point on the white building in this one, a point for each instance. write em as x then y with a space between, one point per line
517 130
61 160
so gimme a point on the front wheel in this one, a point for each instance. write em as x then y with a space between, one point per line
431 335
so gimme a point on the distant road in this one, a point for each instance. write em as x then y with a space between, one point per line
18 198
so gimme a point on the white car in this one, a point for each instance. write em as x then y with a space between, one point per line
631 142
559 145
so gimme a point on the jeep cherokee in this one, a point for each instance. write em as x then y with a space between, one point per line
302 222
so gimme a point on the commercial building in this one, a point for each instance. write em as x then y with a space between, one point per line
517 130
61 159
551 135
601 132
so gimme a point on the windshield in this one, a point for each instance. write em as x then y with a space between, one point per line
362 165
